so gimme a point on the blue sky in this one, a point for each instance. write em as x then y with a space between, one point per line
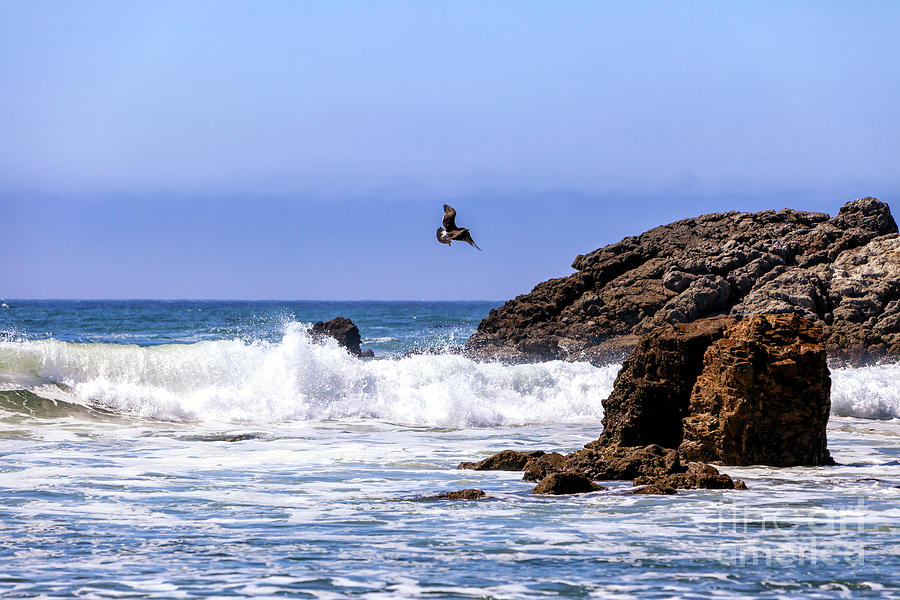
303 150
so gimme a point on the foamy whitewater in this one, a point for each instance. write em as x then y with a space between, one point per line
118 478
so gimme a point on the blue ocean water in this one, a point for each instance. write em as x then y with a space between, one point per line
118 479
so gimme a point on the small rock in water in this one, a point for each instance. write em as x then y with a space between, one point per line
342 329
367 353
658 488
566 483
466 494
506 460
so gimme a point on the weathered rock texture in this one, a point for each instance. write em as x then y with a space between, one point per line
342 329
842 272
763 396
754 391
653 389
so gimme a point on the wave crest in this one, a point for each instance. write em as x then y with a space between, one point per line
300 379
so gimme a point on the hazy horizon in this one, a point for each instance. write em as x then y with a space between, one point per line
224 150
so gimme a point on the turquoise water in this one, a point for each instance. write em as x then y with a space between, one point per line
116 479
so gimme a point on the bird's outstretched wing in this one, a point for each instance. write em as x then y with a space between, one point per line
463 235
449 220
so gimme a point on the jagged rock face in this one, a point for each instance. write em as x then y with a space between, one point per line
843 272
763 396
652 391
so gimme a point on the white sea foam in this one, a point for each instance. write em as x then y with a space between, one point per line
299 379
867 392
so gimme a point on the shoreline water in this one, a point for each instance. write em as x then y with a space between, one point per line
126 485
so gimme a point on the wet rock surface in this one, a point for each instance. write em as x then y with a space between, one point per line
841 272
505 460
341 329
696 476
566 483
619 463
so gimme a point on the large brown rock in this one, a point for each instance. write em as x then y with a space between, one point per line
653 389
763 396
842 272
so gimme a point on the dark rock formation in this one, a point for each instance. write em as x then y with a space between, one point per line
763 396
565 483
617 462
538 468
843 272
754 391
367 353
467 494
653 388
506 460
697 475
342 329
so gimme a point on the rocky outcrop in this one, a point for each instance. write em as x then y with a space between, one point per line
653 389
754 391
841 272
566 483
341 329
763 396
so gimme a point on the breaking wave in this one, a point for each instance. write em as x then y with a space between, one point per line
300 379
866 392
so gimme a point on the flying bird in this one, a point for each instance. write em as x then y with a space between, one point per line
450 232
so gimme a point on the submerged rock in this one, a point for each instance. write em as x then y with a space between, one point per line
841 272
466 494
656 488
506 460
566 483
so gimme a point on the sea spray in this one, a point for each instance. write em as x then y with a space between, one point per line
296 378
300 379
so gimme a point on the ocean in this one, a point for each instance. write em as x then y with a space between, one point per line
181 449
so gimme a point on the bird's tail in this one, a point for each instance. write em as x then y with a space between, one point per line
471 241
